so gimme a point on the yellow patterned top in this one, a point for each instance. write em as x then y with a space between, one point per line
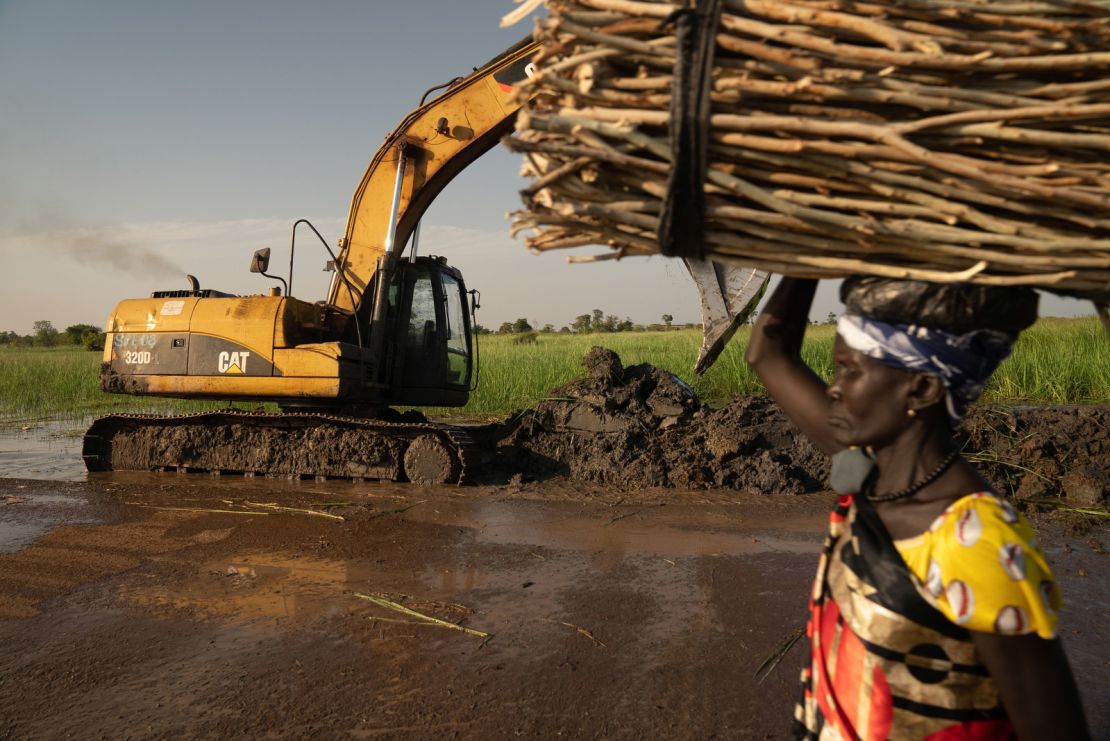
979 564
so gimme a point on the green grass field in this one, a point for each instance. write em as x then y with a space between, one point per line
1057 361
64 383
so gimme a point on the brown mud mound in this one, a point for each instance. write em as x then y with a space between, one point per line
641 427
613 398
1030 451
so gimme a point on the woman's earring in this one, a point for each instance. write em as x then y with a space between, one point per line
911 413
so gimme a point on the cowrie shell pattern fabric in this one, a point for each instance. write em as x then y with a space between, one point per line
961 599
978 563
1011 621
1012 558
934 580
969 528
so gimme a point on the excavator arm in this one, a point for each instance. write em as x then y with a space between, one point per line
418 159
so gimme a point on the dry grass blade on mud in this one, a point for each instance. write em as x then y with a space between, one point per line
198 509
395 510
298 510
579 630
624 516
421 617
1061 506
764 670
1085 511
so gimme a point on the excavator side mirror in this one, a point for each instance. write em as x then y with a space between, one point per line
260 263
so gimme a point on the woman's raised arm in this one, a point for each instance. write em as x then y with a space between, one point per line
774 353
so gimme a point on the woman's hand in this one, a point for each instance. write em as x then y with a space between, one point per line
774 353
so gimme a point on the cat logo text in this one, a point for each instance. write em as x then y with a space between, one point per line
233 362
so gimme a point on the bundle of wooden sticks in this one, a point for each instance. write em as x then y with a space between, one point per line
942 140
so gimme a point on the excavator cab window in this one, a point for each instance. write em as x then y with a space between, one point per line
432 349
422 316
458 340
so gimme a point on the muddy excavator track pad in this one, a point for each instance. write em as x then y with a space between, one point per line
288 445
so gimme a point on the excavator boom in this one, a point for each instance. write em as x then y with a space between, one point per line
428 149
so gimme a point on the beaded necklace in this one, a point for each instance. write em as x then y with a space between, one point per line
912 489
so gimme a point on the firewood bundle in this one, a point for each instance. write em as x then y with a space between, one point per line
939 140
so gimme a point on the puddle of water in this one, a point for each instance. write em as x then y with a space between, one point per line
46 450
559 548
672 531
214 487
28 512
265 587
707 530
42 498
16 535
646 532
573 559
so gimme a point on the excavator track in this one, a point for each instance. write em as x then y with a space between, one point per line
288 445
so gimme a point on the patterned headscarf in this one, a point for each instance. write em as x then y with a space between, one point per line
963 362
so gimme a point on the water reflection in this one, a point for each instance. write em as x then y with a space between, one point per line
43 450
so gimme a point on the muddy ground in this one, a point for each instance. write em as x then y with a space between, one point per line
604 621
128 610
627 564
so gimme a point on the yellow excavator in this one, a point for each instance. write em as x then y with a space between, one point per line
395 330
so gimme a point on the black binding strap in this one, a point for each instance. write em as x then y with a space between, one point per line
682 224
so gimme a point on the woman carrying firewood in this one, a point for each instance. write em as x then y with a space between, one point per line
933 614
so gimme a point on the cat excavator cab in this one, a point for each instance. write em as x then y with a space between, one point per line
394 330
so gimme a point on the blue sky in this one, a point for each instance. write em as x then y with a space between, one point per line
140 140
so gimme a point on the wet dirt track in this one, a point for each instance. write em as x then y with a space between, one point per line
609 615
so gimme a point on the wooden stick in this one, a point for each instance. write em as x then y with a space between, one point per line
1046 112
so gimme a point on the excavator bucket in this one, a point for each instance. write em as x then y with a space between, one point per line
729 295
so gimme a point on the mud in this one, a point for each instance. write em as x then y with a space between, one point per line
289 445
642 427
602 621
1033 452
209 445
157 617
120 383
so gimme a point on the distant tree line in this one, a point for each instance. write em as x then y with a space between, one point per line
43 334
596 321
599 321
